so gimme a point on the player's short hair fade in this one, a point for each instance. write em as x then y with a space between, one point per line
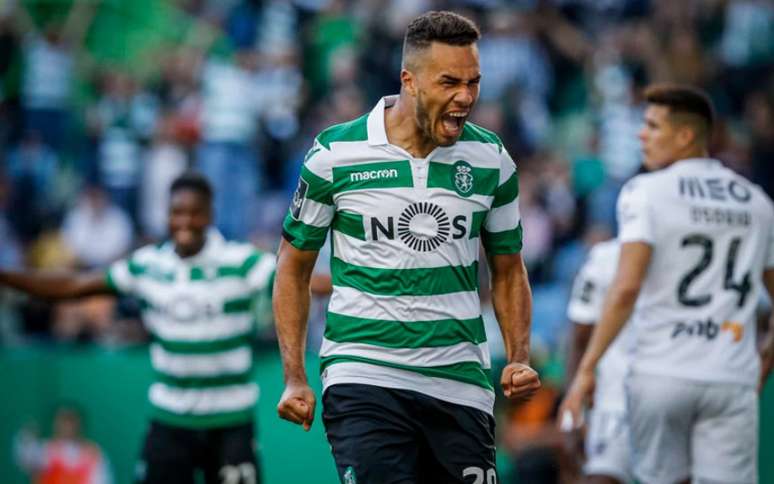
439 26
194 181
682 99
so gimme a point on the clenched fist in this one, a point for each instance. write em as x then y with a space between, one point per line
519 381
297 404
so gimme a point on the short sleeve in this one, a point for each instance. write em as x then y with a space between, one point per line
121 276
588 295
635 223
502 232
311 210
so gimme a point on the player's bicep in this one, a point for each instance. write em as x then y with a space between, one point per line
632 266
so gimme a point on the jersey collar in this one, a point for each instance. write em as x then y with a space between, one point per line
377 133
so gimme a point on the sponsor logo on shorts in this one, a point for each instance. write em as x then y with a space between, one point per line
349 476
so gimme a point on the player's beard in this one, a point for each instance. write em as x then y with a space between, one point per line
423 120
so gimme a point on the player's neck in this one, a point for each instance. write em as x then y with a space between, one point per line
692 152
402 130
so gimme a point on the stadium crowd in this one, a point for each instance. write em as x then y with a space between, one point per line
239 88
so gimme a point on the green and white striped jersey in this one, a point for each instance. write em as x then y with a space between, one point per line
199 311
405 310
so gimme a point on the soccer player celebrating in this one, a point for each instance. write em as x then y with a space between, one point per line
409 191
607 447
697 247
196 292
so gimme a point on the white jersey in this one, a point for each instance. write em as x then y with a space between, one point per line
586 302
712 235
199 311
405 310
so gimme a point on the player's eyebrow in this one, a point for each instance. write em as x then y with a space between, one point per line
448 77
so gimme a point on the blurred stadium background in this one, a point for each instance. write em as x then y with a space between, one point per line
103 102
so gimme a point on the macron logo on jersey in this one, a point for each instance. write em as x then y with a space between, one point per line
373 174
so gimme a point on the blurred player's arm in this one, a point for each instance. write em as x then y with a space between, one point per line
512 301
291 311
57 285
619 304
767 343
579 341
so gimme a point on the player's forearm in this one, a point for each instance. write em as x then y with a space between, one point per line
53 285
619 306
291 310
581 335
512 301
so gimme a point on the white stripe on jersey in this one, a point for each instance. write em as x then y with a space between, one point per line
504 217
423 357
203 401
353 251
350 301
220 327
224 363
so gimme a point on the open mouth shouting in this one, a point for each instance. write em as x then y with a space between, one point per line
453 122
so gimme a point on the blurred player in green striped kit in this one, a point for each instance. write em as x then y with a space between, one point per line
197 292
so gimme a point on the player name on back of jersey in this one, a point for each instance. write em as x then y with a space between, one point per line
713 190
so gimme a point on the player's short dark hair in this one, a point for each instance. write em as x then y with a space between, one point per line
439 26
689 102
194 181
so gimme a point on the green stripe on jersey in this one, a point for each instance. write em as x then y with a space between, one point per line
474 132
238 305
507 192
303 236
405 282
477 223
506 242
205 382
399 334
204 347
151 272
441 175
349 224
216 420
379 175
355 130
466 372
320 190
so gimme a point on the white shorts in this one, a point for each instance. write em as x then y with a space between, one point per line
682 428
607 445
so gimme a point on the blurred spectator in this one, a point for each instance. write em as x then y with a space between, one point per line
122 120
32 168
95 231
49 58
227 154
165 160
67 457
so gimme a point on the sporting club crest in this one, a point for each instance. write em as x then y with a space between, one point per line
463 178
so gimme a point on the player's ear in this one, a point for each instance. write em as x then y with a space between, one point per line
408 82
686 135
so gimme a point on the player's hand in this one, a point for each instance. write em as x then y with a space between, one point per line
297 404
571 410
519 381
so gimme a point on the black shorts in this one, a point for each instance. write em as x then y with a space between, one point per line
383 435
173 455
